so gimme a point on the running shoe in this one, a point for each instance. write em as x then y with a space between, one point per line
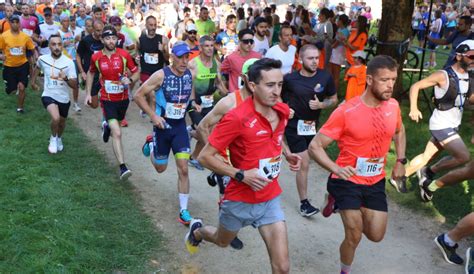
195 163
400 185
192 245
184 217
60 144
53 145
124 123
212 179
329 205
307 210
469 261
237 244
125 173
425 193
20 111
76 107
449 252
105 132
146 146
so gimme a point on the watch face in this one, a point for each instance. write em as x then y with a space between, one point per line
403 161
239 176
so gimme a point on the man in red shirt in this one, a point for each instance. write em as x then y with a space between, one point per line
363 128
253 132
112 64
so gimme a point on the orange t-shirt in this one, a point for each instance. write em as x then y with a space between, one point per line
359 43
363 135
4 25
355 85
14 46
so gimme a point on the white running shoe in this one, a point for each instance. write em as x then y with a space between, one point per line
53 145
76 107
60 144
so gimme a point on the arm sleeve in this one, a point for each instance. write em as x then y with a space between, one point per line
334 126
225 131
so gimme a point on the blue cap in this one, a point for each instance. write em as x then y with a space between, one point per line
14 17
180 49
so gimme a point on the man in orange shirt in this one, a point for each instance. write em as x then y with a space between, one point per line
5 22
364 128
14 46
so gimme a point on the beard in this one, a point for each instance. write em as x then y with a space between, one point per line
308 68
380 96
110 47
464 65
55 54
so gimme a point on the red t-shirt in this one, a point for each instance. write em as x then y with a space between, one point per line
252 144
232 65
363 135
110 72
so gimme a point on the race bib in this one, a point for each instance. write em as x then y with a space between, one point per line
28 32
151 58
54 83
16 51
306 128
175 110
369 167
207 101
113 87
269 167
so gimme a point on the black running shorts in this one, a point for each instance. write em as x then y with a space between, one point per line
63 107
114 110
296 143
14 75
349 195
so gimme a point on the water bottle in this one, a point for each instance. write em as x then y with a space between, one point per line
125 87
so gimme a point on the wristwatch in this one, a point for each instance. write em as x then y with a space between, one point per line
239 176
402 161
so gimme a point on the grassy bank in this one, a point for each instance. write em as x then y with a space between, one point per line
65 212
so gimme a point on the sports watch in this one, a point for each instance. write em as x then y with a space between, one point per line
402 161
239 176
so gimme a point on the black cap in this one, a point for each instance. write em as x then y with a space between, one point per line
14 17
109 32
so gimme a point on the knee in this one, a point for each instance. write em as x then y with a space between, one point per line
183 172
463 157
282 266
160 168
375 237
56 120
353 238
117 134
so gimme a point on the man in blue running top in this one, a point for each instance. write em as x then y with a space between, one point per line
173 88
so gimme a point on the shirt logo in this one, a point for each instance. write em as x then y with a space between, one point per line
318 88
388 113
261 132
252 124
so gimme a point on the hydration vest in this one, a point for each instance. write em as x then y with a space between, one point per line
448 101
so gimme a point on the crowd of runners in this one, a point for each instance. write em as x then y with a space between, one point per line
249 83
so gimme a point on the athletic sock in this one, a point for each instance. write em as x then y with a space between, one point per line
346 269
183 201
430 173
448 240
433 186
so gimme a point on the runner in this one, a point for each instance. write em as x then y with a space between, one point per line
88 46
69 49
204 25
204 128
153 53
112 64
59 76
253 194
453 88
29 23
207 81
173 88
363 127
284 51
227 41
47 29
262 43
232 64
191 40
5 22
306 92
16 48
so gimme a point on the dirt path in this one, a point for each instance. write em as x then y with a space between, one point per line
314 242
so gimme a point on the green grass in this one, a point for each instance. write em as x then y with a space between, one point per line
66 212
449 204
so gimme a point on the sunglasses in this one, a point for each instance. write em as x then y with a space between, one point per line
192 32
469 56
247 41
47 15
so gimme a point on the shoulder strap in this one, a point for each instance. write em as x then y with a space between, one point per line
238 98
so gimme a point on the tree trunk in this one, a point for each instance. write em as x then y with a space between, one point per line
394 30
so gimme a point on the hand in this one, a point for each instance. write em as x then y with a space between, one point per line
88 100
158 121
315 104
415 115
255 181
137 59
292 113
197 107
84 75
125 80
294 161
398 171
34 86
62 75
345 172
